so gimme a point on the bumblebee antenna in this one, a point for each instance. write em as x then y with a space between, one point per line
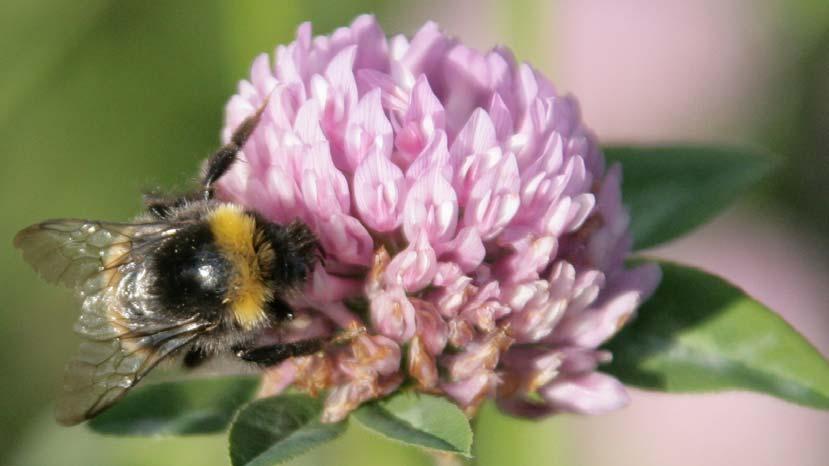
220 162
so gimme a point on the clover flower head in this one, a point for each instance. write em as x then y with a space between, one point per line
466 214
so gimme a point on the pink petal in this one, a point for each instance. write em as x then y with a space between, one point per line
484 315
292 60
466 250
530 257
424 116
527 86
336 94
580 360
324 187
469 392
580 180
414 267
392 96
466 171
431 205
368 131
461 332
378 353
447 273
422 365
494 199
339 314
433 157
425 49
583 205
478 135
531 367
541 182
477 357
501 118
374 279
529 359
393 315
591 393
343 399
260 74
285 102
592 327
326 288
562 279
346 239
378 193
555 221
372 48
340 75
307 124
464 81
519 295
452 296
431 327
278 378
536 321
485 292
585 290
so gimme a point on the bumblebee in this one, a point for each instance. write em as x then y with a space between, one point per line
191 277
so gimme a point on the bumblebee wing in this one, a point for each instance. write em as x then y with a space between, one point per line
107 366
70 252
123 337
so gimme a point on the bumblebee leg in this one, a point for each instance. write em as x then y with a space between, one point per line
160 206
220 162
274 354
194 358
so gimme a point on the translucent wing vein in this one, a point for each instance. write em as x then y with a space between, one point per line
124 337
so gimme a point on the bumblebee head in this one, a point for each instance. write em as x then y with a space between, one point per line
234 264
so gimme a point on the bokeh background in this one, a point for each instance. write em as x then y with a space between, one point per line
101 99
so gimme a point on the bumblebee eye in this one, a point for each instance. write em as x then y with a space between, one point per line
280 310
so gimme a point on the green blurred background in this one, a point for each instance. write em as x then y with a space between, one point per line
101 99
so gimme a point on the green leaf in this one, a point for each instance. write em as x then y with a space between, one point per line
199 406
273 430
698 333
671 190
421 420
